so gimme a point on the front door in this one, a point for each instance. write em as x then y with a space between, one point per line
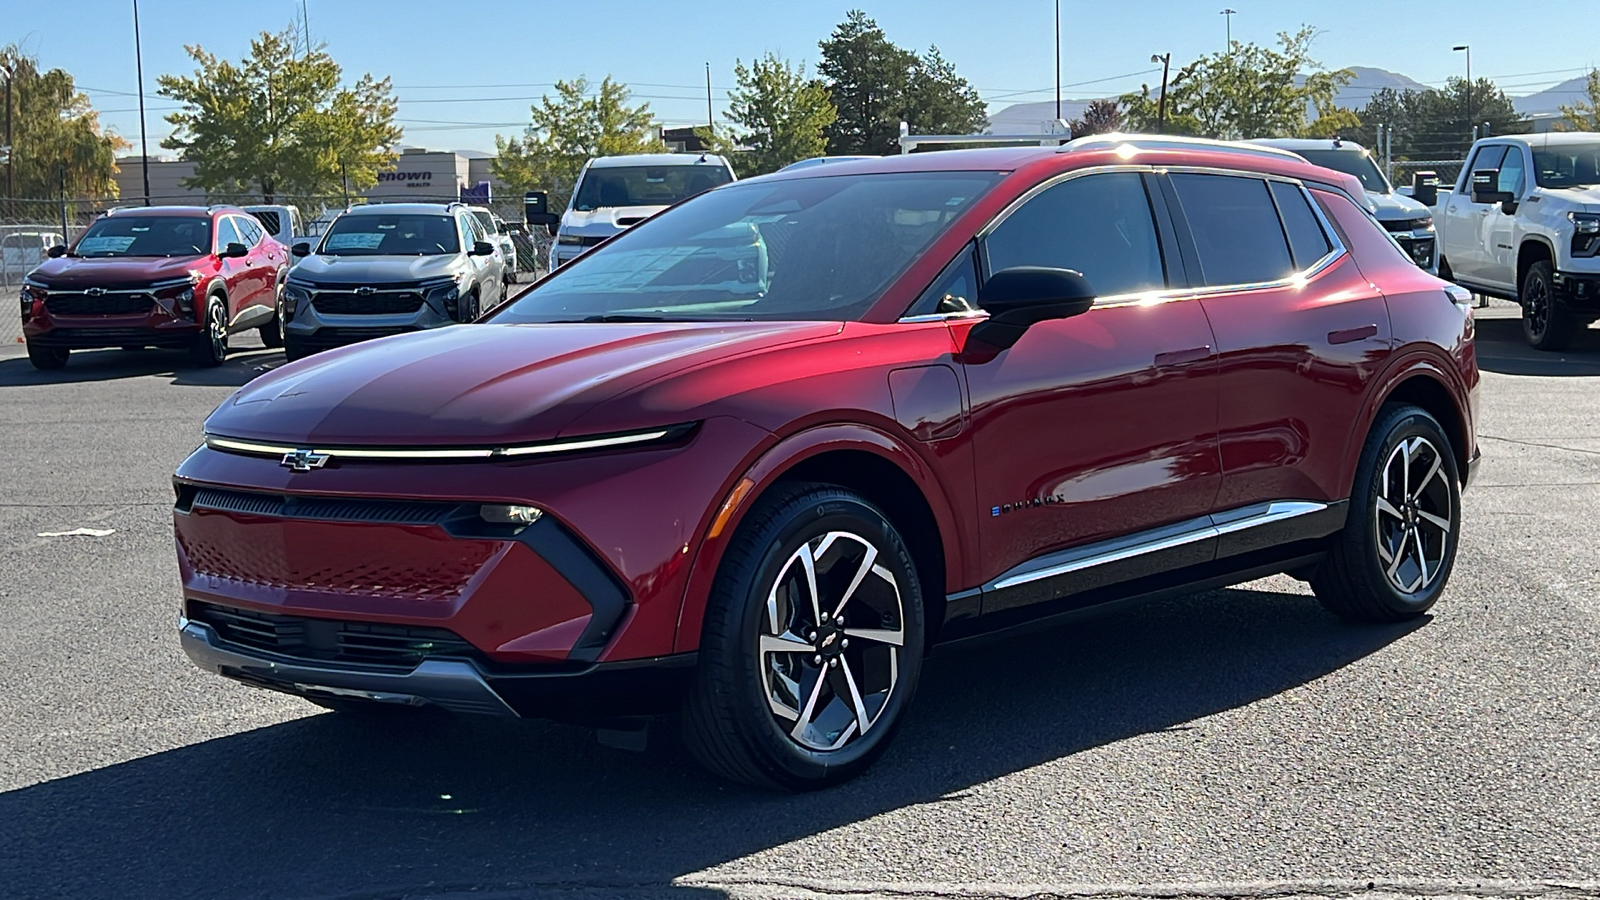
1466 223
1500 269
1101 425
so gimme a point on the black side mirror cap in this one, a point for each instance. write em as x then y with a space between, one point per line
1486 187
552 227
482 248
301 249
1425 188
1021 296
536 210
57 251
234 250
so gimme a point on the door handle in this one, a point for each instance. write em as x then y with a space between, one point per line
1351 335
1179 357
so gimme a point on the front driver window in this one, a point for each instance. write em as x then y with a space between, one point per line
1097 225
1511 170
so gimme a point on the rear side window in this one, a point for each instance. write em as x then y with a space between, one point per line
1235 227
1098 225
248 229
1307 242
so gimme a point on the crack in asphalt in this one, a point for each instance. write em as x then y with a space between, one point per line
1507 440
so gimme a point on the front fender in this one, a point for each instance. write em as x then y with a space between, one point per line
768 468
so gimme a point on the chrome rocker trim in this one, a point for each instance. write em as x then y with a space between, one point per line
456 685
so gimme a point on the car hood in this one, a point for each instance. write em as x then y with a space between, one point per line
481 384
73 271
606 221
1588 197
374 269
1395 206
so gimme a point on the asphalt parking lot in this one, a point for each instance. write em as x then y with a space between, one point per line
1233 743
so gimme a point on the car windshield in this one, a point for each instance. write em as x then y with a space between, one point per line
403 234
612 186
146 236
820 248
1350 162
1567 165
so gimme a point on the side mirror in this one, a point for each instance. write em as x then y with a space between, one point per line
552 227
234 250
536 210
482 248
58 250
1486 187
1425 188
1021 296
301 249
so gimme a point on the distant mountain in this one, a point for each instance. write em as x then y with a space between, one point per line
1369 81
1551 99
1034 118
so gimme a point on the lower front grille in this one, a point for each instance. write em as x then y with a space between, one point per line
369 644
383 303
103 305
334 336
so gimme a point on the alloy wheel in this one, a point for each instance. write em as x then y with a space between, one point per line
1413 519
217 329
830 644
1536 307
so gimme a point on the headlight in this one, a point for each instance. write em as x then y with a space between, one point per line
1423 223
570 239
1585 223
509 514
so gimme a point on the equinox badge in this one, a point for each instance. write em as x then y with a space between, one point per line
304 460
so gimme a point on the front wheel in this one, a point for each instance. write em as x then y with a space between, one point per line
210 346
272 332
1391 561
812 644
47 359
1546 323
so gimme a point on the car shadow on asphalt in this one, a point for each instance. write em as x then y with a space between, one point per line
333 805
1501 348
86 366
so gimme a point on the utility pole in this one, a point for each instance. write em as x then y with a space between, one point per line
711 121
11 168
1161 105
305 17
1230 13
1058 60
144 147
1468 48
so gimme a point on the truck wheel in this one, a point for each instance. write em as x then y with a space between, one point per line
46 359
1546 323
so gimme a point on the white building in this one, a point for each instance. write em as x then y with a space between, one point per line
417 174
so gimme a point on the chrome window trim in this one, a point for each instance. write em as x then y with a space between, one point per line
513 451
1208 527
945 317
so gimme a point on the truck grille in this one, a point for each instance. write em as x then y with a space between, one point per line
1406 224
349 303
102 305
379 645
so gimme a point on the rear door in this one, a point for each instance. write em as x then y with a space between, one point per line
1299 332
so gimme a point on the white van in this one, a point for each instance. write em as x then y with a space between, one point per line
281 222
615 192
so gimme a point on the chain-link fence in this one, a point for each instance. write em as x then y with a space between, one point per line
1448 170
29 227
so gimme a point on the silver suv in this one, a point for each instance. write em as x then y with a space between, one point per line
389 268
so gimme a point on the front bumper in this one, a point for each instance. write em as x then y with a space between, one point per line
1578 291
313 328
161 326
591 694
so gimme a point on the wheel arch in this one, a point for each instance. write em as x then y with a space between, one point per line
1422 383
859 458
1533 248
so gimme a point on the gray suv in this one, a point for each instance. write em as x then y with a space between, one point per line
389 268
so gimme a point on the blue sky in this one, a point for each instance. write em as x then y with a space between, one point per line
466 71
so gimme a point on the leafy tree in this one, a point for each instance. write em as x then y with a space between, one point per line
1101 117
780 115
876 85
54 133
1584 115
279 122
1433 123
567 131
1250 91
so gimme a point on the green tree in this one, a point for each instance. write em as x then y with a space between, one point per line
1584 114
779 115
1433 123
876 85
570 129
279 122
1100 117
1247 92
54 134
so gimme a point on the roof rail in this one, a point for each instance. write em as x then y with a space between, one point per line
1175 142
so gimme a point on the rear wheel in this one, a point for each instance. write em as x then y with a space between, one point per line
272 332
48 358
812 644
1394 556
210 346
1546 322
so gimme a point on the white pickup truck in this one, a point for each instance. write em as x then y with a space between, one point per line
1523 223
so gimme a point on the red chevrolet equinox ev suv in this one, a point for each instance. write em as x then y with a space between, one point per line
749 460
163 276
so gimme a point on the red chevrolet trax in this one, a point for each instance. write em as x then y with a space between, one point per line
749 460
157 276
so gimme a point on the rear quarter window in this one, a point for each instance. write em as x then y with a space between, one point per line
1360 232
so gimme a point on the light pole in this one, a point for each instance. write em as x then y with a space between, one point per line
1058 60
138 64
1229 13
1161 105
1468 48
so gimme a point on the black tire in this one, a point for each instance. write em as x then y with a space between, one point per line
469 307
272 332
210 346
1356 581
293 351
1547 324
48 359
729 719
1444 269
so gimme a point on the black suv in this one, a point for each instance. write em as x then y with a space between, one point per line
390 268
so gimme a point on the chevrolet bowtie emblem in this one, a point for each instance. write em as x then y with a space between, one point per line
304 460
366 291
